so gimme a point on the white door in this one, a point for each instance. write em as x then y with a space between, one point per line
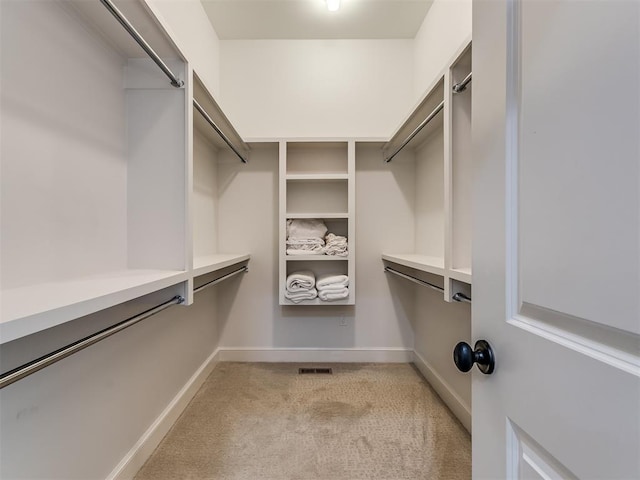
556 129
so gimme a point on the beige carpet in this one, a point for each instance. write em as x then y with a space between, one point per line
255 421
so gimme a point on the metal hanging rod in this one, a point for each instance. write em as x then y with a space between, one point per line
461 297
416 131
462 86
413 279
32 367
221 279
175 81
206 116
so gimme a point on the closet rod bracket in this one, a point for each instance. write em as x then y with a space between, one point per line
462 86
461 297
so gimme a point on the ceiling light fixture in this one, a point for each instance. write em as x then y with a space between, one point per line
333 5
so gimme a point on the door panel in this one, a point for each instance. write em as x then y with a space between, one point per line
578 163
528 460
557 238
577 407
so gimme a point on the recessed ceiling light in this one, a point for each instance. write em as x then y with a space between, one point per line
333 5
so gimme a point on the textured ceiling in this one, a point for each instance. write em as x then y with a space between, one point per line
310 19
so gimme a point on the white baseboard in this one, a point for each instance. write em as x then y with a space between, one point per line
326 355
459 408
144 447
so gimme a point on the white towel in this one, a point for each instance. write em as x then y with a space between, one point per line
328 279
336 250
306 227
295 251
331 288
299 296
329 295
305 246
302 280
335 239
305 241
336 245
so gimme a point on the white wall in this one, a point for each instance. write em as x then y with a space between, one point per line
205 192
445 27
194 35
249 314
316 88
439 326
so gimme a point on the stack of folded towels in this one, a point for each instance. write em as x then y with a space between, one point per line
310 237
305 236
332 287
336 245
301 286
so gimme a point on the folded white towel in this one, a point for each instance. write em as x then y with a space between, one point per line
329 295
331 288
336 250
305 246
336 245
306 227
301 295
332 238
328 279
305 241
296 251
302 280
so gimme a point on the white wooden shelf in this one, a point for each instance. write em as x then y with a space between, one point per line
322 215
424 263
211 263
306 177
322 258
317 301
461 274
34 308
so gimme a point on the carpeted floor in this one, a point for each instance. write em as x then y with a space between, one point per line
254 421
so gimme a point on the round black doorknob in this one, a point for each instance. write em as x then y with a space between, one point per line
482 355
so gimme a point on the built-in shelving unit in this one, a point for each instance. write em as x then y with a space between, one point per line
317 181
208 149
93 163
97 164
436 136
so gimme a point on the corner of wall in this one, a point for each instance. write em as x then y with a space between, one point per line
446 26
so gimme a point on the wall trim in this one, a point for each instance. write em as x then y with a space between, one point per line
144 447
326 355
459 408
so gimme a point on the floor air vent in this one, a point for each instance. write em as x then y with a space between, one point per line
302 371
